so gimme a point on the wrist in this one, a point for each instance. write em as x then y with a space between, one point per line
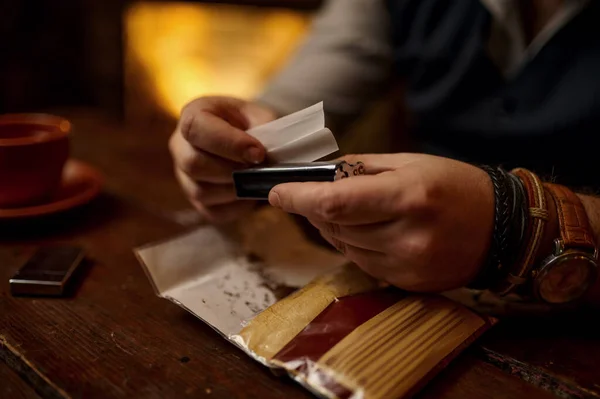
508 228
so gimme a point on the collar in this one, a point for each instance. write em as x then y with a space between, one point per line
506 44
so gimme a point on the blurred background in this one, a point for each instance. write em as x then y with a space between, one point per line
122 70
136 60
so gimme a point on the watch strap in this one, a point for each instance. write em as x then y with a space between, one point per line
575 229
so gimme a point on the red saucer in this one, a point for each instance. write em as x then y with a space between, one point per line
80 184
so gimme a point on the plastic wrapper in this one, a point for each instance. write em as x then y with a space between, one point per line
300 308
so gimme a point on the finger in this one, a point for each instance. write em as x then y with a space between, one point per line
356 200
206 193
374 237
379 163
215 135
371 262
226 213
228 108
335 243
200 165
216 194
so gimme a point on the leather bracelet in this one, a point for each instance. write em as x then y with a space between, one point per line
503 207
538 213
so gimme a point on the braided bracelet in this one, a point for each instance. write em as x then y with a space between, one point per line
539 214
503 211
520 219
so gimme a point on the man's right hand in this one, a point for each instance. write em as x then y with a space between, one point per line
208 144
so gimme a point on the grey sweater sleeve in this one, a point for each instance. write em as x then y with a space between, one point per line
343 62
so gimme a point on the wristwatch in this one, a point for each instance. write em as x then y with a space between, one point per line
570 271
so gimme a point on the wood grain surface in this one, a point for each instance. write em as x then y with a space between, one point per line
469 377
561 354
12 386
112 337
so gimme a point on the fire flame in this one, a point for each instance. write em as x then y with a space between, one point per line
188 50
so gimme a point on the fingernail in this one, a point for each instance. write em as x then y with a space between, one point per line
253 155
274 199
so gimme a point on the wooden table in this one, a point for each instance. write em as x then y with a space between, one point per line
114 338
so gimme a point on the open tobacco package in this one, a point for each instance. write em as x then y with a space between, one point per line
297 307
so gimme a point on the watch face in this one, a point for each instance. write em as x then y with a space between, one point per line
566 278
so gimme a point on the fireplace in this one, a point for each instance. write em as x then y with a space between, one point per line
135 59
174 52
141 61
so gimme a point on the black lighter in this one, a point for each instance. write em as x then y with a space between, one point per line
255 183
48 271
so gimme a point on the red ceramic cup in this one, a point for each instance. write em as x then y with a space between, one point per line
33 152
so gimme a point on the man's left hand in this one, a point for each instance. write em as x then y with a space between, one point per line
419 222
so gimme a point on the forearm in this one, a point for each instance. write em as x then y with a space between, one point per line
344 62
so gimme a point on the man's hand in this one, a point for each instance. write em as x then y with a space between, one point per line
419 222
208 144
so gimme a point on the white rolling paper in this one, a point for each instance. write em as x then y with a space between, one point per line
298 137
